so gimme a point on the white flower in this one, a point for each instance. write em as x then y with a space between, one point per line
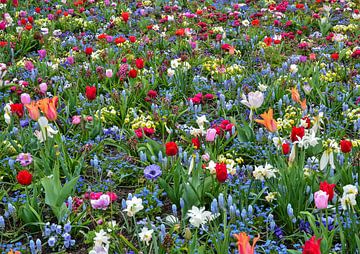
198 216
170 72
309 139
350 189
254 100
262 172
348 200
7 114
133 206
201 120
211 167
175 63
245 22
328 155
46 130
101 243
146 235
197 132
262 87
293 68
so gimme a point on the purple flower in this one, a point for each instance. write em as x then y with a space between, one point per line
42 53
25 159
152 172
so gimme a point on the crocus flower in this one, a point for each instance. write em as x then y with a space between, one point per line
268 121
243 244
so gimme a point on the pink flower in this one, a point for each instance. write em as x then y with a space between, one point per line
112 195
109 73
321 199
210 134
101 203
43 87
25 98
76 120
29 65
25 159
206 157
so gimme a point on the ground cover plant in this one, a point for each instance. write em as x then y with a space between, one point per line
179 126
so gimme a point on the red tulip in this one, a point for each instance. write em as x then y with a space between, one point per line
90 92
345 146
139 63
171 149
297 133
24 177
328 188
312 246
335 56
88 51
221 172
132 73
125 16
285 148
196 143
17 108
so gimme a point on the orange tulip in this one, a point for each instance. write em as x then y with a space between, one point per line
33 110
14 252
303 104
48 107
268 121
295 96
243 244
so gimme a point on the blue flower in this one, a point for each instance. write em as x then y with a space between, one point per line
152 172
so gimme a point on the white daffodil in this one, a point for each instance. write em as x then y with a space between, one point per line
46 130
146 235
133 206
7 114
264 172
201 121
198 216
328 155
211 167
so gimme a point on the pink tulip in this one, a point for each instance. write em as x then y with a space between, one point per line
210 135
109 73
321 199
76 120
43 87
25 98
